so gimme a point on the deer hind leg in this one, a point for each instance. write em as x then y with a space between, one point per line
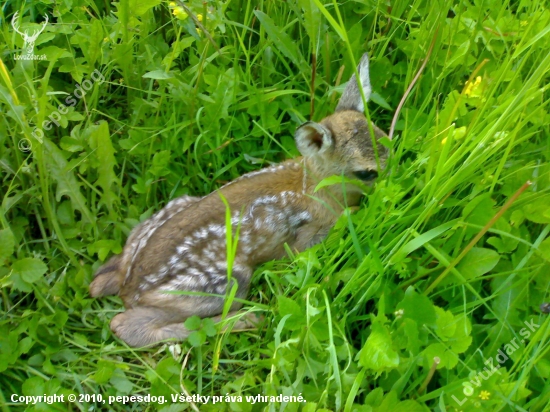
111 276
108 279
144 326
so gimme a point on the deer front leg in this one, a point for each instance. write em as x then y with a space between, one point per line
310 235
314 233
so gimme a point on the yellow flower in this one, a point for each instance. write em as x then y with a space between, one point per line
179 13
199 17
485 395
472 89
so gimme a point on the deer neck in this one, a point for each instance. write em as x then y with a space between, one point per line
333 195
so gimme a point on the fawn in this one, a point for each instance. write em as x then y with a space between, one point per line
183 246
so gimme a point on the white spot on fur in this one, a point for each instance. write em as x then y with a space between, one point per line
216 230
182 249
221 266
201 234
174 260
300 218
182 282
154 278
210 254
181 265
193 272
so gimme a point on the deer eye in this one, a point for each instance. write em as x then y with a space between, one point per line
366 175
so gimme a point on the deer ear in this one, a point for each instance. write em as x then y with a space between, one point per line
351 98
313 139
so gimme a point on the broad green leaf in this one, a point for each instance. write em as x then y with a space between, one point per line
411 331
391 403
409 406
333 180
140 7
448 358
142 185
544 248
448 113
197 338
7 245
209 327
192 323
160 163
167 368
312 21
281 40
446 325
290 307
477 262
53 53
157 75
457 57
337 28
9 345
30 269
177 48
17 282
377 353
67 185
100 140
121 382
478 212
33 386
223 94
104 371
417 307
375 397
70 144
461 339
264 96
504 244
96 39
422 239
538 211
103 247
380 101
25 345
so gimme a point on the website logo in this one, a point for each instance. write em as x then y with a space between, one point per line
29 39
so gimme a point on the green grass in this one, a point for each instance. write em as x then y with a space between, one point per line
353 324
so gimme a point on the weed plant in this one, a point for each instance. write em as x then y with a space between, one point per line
410 304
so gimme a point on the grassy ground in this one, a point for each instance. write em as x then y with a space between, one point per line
436 264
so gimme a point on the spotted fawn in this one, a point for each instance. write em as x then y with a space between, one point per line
183 246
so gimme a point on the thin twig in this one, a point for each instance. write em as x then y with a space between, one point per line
489 224
337 83
199 24
312 88
408 91
182 386
424 385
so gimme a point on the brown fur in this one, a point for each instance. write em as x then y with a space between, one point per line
182 248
